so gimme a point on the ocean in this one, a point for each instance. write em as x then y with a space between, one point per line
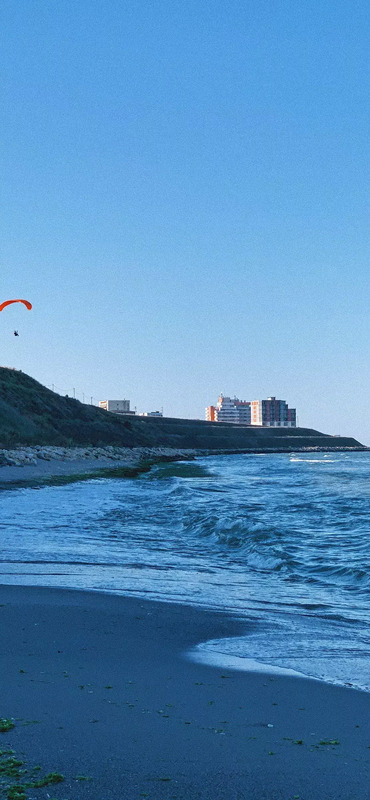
280 541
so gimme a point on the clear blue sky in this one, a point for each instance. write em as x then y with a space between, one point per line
185 200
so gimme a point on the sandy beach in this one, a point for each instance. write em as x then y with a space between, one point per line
101 691
47 470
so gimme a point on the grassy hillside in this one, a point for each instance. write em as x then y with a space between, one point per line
31 414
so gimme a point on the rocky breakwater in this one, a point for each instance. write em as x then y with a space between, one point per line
74 458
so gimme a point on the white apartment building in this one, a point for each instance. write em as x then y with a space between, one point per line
271 413
116 406
230 410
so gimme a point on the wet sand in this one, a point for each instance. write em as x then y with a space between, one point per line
74 466
100 689
47 470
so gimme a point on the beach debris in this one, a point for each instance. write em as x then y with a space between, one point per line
6 724
52 777
329 742
9 765
16 777
16 793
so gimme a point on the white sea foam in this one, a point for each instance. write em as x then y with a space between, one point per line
225 661
314 460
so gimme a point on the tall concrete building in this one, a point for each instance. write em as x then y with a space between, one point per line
273 413
266 413
230 410
211 414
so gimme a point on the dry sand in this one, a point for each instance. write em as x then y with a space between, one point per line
100 688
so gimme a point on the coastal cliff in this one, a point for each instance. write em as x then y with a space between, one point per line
32 415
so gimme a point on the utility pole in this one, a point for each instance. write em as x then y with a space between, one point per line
74 393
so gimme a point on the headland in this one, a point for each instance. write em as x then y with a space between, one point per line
47 434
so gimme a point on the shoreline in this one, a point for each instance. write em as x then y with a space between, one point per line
48 463
100 687
45 463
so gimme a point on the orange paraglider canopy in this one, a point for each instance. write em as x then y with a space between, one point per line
8 303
